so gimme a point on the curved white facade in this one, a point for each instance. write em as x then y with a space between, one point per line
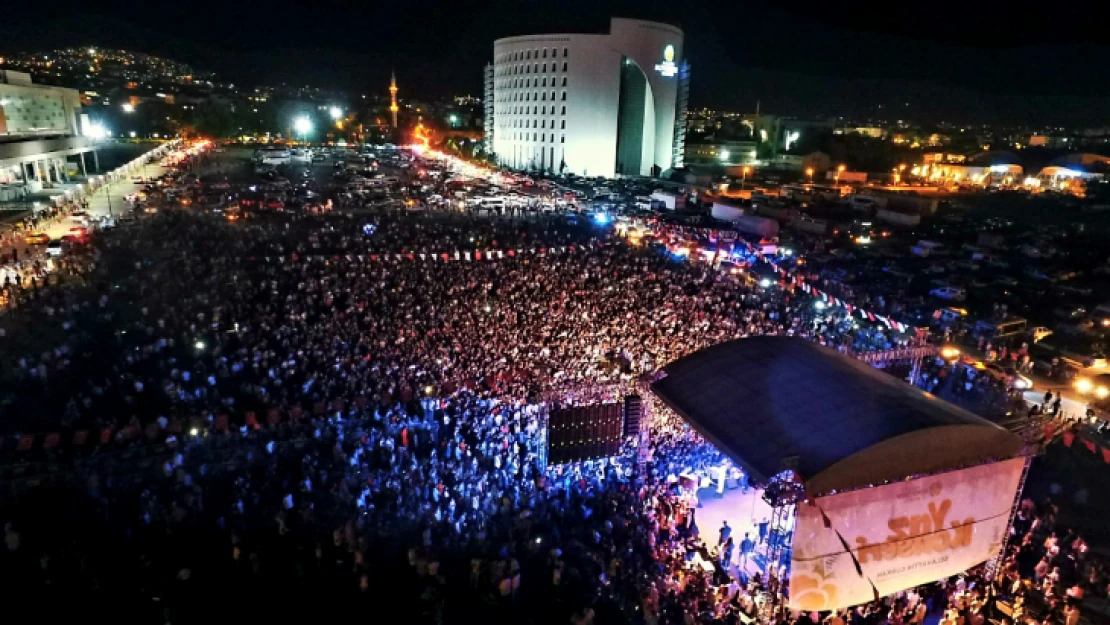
592 105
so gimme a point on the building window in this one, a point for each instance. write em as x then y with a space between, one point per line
527 54
545 68
544 81
545 53
564 111
563 125
545 96
545 110
533 136
554 53
564 81
566 53
562 138
564 96
534 109
564 66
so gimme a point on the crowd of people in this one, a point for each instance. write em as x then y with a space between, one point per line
403 466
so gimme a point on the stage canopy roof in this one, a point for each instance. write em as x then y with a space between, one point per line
773 403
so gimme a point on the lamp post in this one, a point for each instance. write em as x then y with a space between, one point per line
839 169
809 174
303 125
744 176
108 194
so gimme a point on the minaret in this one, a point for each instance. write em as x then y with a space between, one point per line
393 97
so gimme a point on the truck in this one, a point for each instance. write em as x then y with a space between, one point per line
726 212
762 227
668 200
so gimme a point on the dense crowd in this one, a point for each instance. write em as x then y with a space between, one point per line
405 472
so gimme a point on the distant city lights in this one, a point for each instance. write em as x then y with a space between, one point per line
128 107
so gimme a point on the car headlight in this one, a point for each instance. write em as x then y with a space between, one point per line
1021 384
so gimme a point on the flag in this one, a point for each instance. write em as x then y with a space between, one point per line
870 316
467 255
1091 447
1049 430
1105 455
512 253
374 257
411 257
1069 438
422 257
500 254
478 255
252 421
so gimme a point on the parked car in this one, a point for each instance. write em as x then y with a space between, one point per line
949 292
37 238
1039 333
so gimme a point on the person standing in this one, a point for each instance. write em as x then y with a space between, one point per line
725 533
746 548
726 554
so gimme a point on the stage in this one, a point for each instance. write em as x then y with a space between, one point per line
743 511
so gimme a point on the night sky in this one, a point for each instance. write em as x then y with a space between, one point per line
928 61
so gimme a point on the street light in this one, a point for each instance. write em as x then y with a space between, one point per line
454 119
839 169
335 112
744 176
303 125
128 107
809 173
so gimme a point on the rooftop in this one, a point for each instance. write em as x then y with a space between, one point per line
775 403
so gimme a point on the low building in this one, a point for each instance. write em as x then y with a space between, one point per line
721 153
42 132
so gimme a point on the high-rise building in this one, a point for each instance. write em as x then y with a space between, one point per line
488 124
590 104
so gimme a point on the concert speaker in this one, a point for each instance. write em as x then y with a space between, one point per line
633 413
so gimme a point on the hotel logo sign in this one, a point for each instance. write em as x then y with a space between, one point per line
667 68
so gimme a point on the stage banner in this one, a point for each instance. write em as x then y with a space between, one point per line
903 535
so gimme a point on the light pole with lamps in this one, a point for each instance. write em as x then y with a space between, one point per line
839 170
809 174
303 125
744 176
